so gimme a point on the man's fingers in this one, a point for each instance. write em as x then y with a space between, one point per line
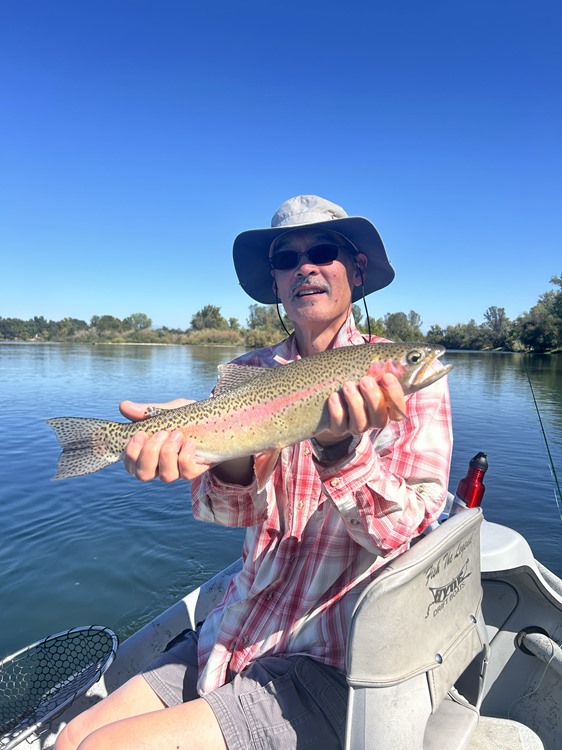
168 469
358 414
136 411
164 455
132 451
338 410
188 465
393 396
133 411
142 454
376 412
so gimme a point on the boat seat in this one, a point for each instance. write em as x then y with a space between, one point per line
418 646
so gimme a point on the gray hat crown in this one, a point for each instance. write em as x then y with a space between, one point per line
306 209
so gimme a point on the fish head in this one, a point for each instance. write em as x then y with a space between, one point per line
412 363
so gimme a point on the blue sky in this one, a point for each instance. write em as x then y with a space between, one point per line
138 138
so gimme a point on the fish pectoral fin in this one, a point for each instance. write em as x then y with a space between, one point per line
264 463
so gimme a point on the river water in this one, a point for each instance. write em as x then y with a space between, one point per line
106 549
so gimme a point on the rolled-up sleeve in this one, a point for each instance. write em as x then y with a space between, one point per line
227 504
394 485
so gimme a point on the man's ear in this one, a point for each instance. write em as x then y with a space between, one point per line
361 262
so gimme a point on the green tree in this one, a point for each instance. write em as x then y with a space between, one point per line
435 334
402 327
109 324
261 316
69 327
208 317
40 326
552 300
137 322
539 328
497 326
416 323
14 329
265 318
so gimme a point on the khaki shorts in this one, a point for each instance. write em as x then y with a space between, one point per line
274 704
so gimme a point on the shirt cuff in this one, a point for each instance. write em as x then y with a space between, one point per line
330 453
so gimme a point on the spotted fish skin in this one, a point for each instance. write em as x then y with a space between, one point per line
255 410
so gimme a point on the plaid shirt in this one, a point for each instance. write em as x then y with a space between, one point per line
318 533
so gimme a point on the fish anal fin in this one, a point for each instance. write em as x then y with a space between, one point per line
264 463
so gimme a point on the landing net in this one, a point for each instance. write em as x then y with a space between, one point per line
39 681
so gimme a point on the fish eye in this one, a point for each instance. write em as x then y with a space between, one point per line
414 356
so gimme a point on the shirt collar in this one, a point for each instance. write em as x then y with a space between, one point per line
348 334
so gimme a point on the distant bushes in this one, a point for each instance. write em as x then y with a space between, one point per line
538 330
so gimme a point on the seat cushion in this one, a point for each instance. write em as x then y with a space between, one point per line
451 726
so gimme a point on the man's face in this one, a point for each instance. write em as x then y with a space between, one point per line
316 292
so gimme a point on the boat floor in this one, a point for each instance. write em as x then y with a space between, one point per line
504 734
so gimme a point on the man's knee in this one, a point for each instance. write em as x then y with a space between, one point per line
65 740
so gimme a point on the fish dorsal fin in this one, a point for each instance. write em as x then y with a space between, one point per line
231 376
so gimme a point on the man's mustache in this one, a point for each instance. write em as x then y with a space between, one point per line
310 280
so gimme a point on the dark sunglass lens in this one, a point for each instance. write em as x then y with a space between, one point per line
320 254
284 260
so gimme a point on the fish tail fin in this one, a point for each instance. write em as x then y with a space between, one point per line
85 446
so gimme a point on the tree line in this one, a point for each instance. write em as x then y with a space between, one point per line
538 330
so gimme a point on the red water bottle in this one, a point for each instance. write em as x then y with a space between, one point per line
471 488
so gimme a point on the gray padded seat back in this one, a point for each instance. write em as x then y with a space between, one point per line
416 632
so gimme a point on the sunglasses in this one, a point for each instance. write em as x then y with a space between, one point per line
318 255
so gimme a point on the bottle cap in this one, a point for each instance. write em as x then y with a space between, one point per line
480 461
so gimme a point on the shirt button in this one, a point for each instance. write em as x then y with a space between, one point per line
245 639
335 482
353 521
307 451
300 505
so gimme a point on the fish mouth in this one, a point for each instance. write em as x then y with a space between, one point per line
419 379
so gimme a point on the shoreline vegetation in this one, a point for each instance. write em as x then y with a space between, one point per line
539 330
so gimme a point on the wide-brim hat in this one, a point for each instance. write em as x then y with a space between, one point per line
251 248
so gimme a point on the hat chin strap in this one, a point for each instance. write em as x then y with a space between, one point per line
277 308
360 272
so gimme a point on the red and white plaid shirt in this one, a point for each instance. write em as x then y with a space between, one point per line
318 533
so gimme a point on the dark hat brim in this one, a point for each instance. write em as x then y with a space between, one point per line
251 256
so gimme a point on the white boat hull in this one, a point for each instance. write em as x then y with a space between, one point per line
522 699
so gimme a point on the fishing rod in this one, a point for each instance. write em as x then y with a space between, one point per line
552 467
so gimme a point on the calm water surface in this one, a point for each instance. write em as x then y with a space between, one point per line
107 549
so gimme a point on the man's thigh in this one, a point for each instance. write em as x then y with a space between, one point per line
281 704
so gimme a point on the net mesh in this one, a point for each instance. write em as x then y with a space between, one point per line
42 679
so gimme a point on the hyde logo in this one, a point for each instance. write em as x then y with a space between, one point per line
442 595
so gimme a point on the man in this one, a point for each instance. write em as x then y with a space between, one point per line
266 668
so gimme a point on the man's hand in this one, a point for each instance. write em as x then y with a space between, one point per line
165 454
364 406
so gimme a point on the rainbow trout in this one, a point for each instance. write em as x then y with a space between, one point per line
254 410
